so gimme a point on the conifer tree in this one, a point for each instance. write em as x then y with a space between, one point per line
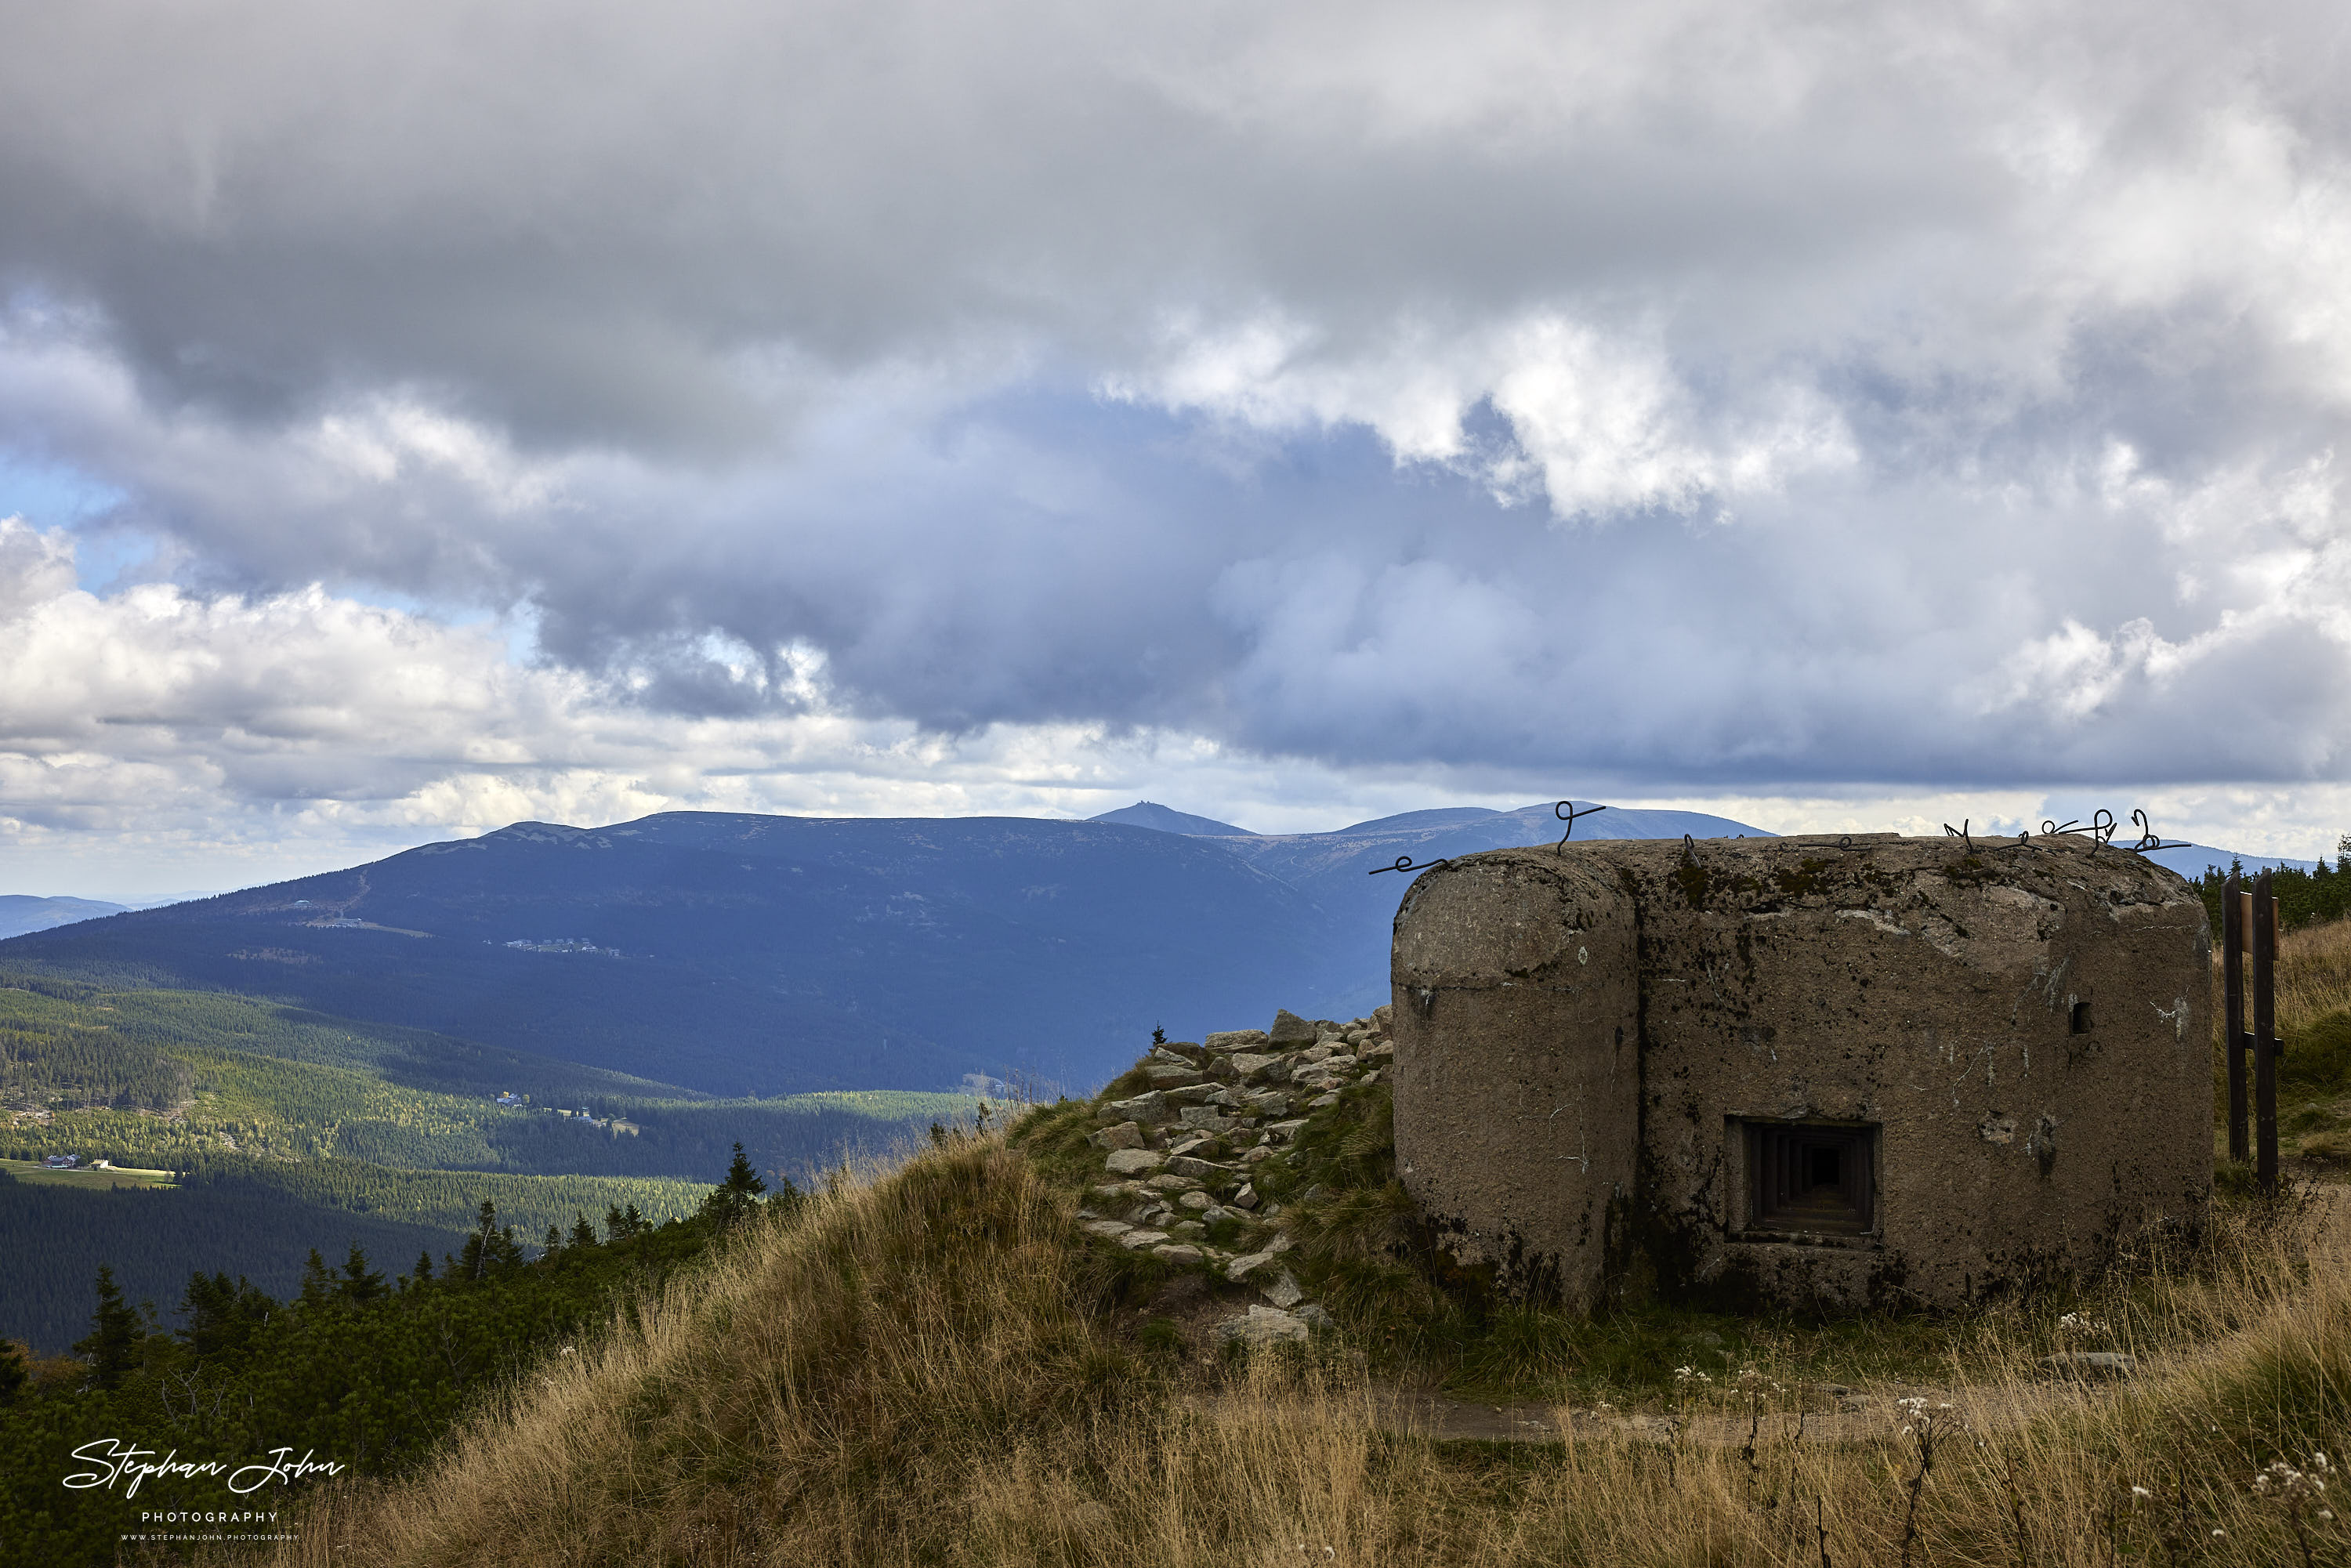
734 1200
112 1343
359 1286
741 1178
15 1369
223 1318
504 1251
480 1251
583 1229
318 1285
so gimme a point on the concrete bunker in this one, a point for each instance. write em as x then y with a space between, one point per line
1803 1070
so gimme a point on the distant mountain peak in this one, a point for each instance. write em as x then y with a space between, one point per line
21 912
549 833
1161 818
1438 817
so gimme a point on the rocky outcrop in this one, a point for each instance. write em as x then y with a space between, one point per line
1180 1155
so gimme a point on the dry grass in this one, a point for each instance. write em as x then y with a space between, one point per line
918 1371
2313 1019
2314 975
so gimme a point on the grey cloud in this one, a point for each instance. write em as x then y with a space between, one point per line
1881 396
574 220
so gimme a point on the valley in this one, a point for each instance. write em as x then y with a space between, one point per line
243 1133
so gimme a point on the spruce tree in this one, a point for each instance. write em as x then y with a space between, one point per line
741 1178
359 1286
733 1200
14 1371
583 1229
112 1345
223 1317
318 1285
476 1259
505 1252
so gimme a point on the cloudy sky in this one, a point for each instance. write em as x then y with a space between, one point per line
415 418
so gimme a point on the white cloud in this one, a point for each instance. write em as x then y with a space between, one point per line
1689 396
1598 424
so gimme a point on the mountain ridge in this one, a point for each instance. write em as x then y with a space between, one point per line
732 953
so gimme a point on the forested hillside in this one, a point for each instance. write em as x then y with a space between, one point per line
361 1356
741 955
755 955
56 1236
288 1129
171 1078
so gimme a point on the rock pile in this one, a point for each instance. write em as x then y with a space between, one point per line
1180 1155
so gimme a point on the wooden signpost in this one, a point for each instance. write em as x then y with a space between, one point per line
2249 920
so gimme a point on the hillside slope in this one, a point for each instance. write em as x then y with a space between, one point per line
954 1365
21 912
744 954
291 1129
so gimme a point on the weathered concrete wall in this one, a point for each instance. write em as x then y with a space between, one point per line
1904 986
1517 1112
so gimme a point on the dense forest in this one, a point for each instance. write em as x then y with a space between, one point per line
365 1362
288 1128
165 1079
54 1237
132 1015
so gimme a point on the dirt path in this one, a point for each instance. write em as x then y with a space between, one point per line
1831 1413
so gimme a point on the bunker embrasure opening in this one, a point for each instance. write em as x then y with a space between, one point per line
1811 1180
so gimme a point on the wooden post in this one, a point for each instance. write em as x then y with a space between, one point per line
2265 1034
2234 1036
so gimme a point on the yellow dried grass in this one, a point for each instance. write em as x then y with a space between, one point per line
910 1374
